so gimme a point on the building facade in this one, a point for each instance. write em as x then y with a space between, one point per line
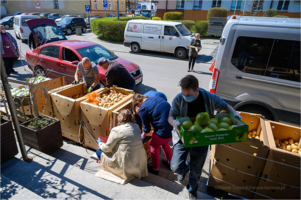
47 6
198 9
98 7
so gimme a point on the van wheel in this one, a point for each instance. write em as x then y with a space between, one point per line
39 71
6 27
135 47
257 110
181 53
23 40
17 36
84 30
69 31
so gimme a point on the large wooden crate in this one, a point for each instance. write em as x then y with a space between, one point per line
68 111
97 119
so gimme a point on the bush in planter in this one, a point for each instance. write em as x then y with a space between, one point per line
173 16
270 13
156 18
217 12
202 27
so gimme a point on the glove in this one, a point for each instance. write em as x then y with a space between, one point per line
176 125
74 82
237 115
142 137
89 90
99 140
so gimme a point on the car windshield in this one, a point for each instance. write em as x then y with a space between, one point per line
66 20
6 18
96 52
183 30
49 33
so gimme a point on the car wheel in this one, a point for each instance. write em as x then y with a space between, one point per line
69 31
84 30
181 53
6 27
17 36
39 71
135 47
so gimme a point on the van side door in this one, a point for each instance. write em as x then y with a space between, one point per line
151 37
170 39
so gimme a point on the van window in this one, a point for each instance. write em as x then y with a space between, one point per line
133 27
152 29
268 57
51 51
24 21
170 30
16 21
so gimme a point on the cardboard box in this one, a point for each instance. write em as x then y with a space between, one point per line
282 166
196 138
97 119
67 110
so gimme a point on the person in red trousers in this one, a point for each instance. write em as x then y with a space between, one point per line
154 111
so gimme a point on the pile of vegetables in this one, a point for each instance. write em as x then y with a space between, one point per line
288 145
104 100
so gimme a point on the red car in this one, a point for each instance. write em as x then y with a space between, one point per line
59 57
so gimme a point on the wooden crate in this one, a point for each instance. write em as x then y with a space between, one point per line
68 111
8 141
97 119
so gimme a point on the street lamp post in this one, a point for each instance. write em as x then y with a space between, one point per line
117 10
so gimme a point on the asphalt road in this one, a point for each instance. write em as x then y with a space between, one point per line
161 72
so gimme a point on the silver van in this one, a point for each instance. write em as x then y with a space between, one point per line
257 67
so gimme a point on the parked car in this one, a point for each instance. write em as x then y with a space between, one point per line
112 15
138 12
164 36
24 13
60 58
20 26
7 22
17 13
257 67
44 15
54 16
33 13
59 19
122 15
69 24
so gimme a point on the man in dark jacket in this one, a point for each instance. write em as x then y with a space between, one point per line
117 74
35 40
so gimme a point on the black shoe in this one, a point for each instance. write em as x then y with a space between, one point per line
164 161
152 171
14 72
193 195
181 177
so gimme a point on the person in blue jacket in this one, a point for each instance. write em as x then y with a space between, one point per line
154 111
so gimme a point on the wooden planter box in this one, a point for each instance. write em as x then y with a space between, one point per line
8 141
46 140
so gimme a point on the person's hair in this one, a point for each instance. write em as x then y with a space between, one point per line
1 26
189 82
125 116
197 34
136 99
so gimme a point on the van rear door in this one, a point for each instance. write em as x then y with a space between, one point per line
151 37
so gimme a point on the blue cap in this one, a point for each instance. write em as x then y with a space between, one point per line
102 61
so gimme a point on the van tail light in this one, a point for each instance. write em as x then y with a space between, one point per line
212 66
214 81
21 30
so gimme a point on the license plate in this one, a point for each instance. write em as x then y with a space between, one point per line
137 81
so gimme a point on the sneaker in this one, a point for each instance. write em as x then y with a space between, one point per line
152 171
188 70
14 72
181 177
165 162
193 195
192 70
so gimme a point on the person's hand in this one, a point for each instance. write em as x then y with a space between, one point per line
74 82
237 115
99 140
176 125
89 90
142 137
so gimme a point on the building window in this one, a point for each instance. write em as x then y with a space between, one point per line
122 6
180 4
258 4
110 5
238 6
283 5
115 4
216 3
95 4
56 4
197 4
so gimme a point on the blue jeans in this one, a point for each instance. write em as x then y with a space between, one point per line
181 166
98 153
96 87
133 87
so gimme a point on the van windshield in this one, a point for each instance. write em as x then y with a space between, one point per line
183 30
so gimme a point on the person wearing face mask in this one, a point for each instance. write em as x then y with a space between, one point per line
191 101
9 49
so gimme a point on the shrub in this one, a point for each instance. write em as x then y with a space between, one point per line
156 18
217 12
270 13
202 27
173 16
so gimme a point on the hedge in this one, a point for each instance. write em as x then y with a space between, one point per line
217 12
156 18
173 16
270 13
188 23
201 27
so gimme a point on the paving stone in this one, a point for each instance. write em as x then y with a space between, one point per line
25 194
172 196
159 182
95 197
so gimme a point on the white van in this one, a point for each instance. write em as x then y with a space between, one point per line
257 67
20 26
164 36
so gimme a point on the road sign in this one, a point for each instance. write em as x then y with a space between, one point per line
105 3
139 5
87 7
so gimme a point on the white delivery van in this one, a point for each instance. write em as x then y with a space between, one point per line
164 36
257 67
20 26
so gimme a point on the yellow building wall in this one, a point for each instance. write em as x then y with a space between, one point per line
101 12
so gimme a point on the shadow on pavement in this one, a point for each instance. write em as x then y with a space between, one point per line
142 89
204 73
